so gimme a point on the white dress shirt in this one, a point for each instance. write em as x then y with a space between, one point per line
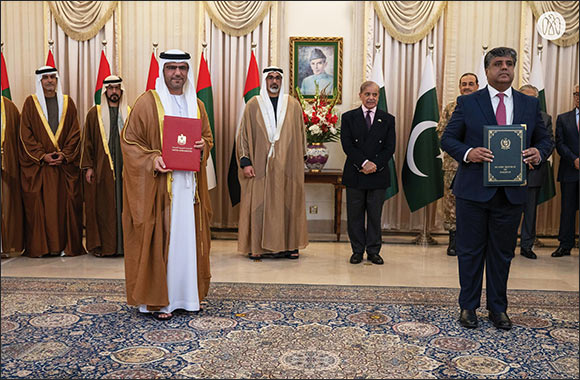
508 101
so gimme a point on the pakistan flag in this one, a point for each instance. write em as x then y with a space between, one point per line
422 175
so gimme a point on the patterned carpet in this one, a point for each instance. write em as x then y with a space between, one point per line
69 328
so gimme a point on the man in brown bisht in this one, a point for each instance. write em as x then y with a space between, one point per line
12 237
50 174
271 146
102 162
166 214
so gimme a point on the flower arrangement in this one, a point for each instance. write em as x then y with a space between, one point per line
320 117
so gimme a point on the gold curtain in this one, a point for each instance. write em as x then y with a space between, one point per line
82 20
409 21
568 10
237 18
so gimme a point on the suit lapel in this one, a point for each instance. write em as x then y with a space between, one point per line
518 107
485 105
572 123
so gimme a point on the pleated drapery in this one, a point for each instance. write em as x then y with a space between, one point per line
237 18
82 20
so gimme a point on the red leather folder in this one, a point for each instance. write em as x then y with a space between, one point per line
179 135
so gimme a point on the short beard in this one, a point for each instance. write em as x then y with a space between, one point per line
113 98
273 90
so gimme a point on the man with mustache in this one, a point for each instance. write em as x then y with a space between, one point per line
271 147
102 163
49 162
368 138
468 83
166 213
488 216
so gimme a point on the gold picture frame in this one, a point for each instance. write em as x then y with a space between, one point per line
323 54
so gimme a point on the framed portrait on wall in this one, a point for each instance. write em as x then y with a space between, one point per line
316 61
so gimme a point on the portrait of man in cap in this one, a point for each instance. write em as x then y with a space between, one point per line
318 62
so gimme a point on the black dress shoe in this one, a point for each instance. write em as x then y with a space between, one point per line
500 320
451 247
528 253
561 252
376 259
356 258
468 319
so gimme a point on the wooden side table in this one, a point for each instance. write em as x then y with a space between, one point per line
333 177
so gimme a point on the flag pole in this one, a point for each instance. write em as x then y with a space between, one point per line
424 238
155 44
1 167
50 46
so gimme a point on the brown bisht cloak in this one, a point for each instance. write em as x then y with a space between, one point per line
272 207
12 209
147 206
99 197
51 194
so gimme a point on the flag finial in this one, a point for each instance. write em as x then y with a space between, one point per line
155 44
378 46
540 48
483 48
431 47
254 45
50 44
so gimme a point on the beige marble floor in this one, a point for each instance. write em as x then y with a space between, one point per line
326 263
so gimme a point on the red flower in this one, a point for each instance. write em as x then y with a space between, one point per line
315 119
305 116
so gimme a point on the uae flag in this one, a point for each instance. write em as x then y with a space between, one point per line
251 89
548 188
50 59
422 174
153 74
104 71
204 93
378 77
4 78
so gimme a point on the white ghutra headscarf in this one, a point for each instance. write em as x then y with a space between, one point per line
273 122
44 70
176 56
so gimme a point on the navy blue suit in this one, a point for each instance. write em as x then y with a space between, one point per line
365 193
487 217
567 147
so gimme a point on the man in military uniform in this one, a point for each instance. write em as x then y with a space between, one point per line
468 83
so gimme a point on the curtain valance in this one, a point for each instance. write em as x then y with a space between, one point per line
409 21
237 18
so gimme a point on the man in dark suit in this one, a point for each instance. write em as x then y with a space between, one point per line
488 216
567 147
536 177
368 139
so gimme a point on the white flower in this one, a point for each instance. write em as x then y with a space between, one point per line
315 129
333 130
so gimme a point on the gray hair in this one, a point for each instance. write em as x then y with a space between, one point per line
500 52
531 87
366 84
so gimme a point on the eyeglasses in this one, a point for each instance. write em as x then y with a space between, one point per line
575 93
174 67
